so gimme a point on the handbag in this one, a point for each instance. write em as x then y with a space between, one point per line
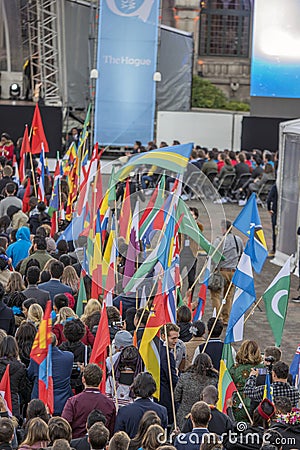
216 281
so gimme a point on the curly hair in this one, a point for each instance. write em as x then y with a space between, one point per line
249 353
203 366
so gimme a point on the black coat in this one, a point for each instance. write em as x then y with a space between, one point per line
290 433
41 296
7 319
80 443
80 351
18 385
184 334
219 423
165 392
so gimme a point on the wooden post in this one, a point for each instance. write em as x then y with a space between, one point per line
253 309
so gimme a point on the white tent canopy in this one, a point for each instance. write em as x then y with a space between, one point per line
288 185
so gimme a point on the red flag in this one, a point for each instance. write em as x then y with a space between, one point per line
38 135
102 341
5 390
24 149
26 196
54 224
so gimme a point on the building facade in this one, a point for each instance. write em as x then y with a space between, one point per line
222 36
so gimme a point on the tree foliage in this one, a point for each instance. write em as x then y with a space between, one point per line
207 95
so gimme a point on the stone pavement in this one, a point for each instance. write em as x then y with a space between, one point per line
257 326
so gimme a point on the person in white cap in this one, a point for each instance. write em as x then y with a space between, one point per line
122 339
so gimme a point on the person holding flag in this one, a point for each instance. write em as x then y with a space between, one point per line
232 249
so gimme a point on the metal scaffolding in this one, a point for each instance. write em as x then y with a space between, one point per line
42 22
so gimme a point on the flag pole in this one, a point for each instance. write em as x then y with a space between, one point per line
244 406
253 309
212 255
218 315
170 377
113 376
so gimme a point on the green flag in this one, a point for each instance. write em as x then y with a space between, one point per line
112 187
276 301
189 227
180 301
81 297
159 201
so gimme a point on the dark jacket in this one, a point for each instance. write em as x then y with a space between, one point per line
219 423
272 200
80 443
214 349
55 287
250 439
129 416
7 320
17 376
290 433
165 392
184 333
80 351
41 296
190 441
78 408
62 364
241 168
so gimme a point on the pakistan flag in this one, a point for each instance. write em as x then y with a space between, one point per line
276 301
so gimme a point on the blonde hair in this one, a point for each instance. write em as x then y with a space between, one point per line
91 306
37 431
47 266
65 313
70 278
15 283
249 353
153 437
47 229
35 314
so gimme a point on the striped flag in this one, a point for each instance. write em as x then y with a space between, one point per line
268 390
199 311
148 348
41 353
244 295
41 172
295 368
125 214
226 386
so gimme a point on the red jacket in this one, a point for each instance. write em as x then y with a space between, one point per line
58 330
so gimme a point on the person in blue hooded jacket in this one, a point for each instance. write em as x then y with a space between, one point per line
19 249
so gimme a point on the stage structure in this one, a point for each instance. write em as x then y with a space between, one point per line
288 185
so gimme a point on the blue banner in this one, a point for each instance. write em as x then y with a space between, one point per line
127 52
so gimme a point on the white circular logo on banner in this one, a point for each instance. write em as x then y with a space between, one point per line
131 8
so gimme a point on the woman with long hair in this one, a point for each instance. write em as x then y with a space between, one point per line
9 355
37 435
15 302
149 418
35 314
91 306
71 279
25 336
153 438
191 384
248 356
15 283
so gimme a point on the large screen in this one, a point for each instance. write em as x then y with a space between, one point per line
275 66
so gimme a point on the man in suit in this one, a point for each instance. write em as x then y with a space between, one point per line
94 417
200 415
78 408
129 416
54 285
62 365
33 291
165 397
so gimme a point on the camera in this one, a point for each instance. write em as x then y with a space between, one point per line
270 360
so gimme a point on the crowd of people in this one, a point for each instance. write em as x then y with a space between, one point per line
134 412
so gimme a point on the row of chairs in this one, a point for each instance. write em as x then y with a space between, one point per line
225 188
